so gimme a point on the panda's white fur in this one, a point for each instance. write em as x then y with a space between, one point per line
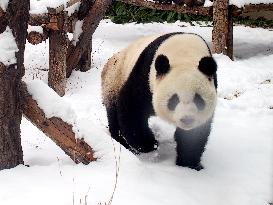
184 78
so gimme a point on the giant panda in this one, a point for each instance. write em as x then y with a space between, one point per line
172 76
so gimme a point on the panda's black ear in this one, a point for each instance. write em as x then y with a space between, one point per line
208 66
162 65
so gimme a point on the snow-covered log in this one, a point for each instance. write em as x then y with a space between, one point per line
56 129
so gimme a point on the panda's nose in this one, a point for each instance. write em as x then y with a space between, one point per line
187 120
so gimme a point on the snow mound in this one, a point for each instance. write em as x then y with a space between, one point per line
8 47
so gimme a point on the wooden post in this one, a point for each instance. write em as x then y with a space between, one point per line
222 34
57 130
16 18
85 61
58 44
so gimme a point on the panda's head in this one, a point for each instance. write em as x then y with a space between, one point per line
184 91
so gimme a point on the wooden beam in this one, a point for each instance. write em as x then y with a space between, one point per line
222 33
38 19
203 11
251 8
56 129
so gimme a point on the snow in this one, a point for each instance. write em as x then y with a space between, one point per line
38 29
240 3
238 159
208 3
75 7
50 102
40 6
8 47
4 4
77 32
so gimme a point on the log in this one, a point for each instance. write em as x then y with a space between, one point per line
91 22
195 10
35 37
56 129
38 19
58 45
251 8
222 33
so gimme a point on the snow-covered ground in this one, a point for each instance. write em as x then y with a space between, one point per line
238 160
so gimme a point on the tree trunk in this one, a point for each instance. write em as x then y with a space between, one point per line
11 153
222 34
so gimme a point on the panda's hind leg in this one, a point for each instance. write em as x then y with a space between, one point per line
114 128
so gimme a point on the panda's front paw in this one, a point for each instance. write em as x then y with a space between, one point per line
195 166
148 147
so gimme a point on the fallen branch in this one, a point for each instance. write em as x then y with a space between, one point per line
56 129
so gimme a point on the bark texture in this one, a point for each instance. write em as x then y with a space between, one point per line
58 45
11 153
222 34
57 130
35 37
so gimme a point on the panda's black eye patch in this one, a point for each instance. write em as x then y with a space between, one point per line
162 65
199 102
173 102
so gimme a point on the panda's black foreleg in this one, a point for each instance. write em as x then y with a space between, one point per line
133 122
114 128
191 145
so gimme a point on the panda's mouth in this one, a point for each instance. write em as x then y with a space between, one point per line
187 120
